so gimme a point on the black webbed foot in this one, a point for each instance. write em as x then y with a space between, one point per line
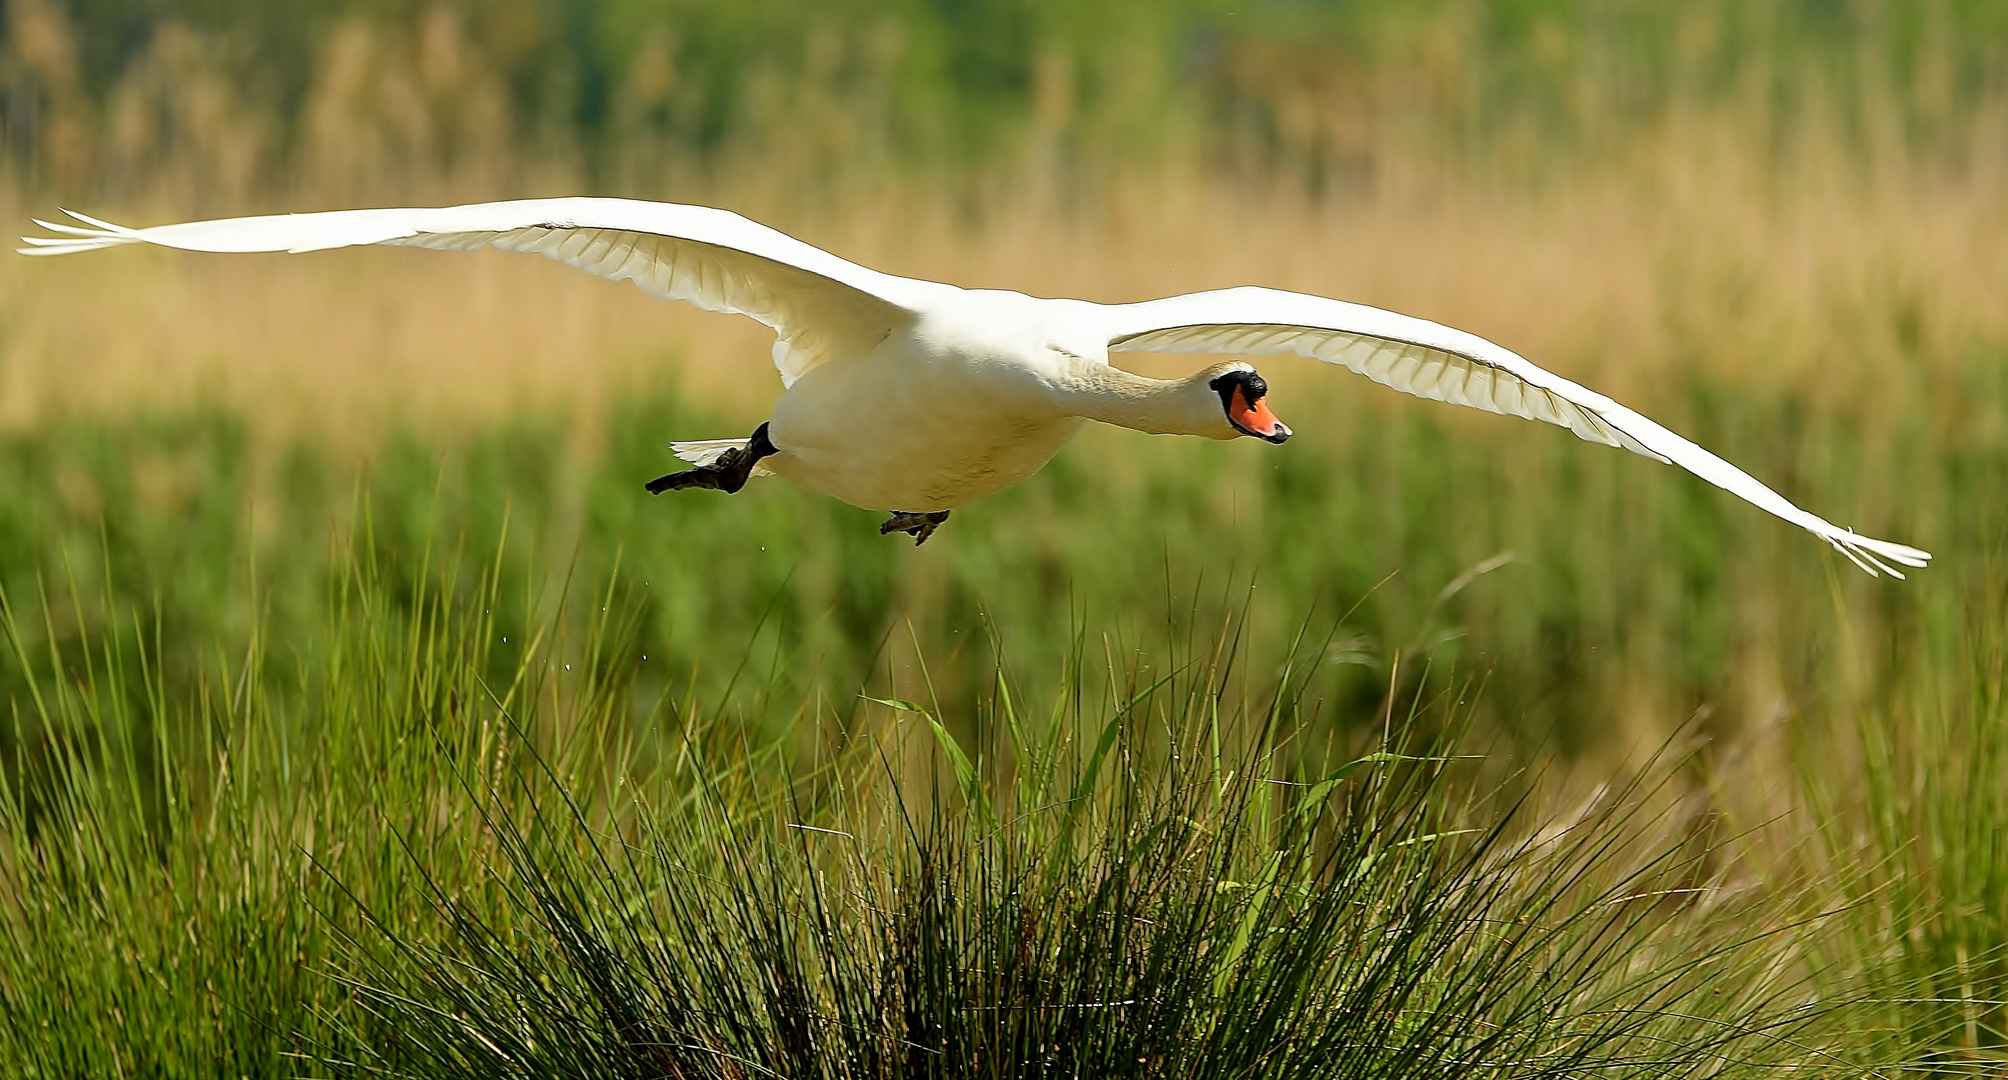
921 526
728 472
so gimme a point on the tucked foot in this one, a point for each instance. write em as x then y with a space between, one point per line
728 473
921 526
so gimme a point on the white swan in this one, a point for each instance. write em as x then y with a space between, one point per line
916 397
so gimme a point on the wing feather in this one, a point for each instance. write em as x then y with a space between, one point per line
819 305
1434 361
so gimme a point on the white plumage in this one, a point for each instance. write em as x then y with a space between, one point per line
917 396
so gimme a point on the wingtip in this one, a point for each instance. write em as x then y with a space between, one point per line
70 238
1875 556
1865 566
1902 553
72 231
38 245
96 223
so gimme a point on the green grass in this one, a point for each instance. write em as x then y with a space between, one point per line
429 864
1911 834
1429 744
1115 911
491 765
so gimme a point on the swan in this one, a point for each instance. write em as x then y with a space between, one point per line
916 397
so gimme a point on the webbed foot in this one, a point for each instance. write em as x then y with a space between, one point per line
921 526
727 473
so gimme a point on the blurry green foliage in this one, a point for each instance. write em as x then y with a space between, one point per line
959 82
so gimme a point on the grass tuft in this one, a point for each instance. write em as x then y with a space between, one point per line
1129 904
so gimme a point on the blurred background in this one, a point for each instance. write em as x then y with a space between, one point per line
289 544
1776 226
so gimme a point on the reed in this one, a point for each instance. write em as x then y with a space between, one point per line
354 680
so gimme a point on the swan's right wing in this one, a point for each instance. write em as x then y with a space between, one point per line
1434 361
819 305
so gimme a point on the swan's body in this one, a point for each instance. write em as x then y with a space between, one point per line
917 397
933 417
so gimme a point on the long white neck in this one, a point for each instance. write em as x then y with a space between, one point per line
1158 406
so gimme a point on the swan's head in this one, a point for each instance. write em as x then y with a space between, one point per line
1241 392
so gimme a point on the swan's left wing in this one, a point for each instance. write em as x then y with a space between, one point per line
1434 361
819 305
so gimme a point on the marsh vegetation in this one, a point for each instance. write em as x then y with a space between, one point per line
366 716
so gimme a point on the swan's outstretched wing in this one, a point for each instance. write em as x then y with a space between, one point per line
819 305
1437 362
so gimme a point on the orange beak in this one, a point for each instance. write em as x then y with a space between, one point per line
1254 417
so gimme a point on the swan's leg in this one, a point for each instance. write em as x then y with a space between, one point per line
921 526
728 473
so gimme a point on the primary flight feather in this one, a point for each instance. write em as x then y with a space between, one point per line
917 397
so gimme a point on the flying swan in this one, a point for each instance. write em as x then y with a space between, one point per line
916 397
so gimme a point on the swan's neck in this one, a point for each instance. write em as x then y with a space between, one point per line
1158 406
